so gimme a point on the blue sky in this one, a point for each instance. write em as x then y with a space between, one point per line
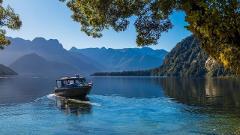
51 19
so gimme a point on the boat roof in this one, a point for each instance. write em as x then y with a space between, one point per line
70 78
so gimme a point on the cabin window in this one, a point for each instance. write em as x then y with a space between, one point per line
59 84
78 82
70 82
82 80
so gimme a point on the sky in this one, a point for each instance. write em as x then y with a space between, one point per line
51 19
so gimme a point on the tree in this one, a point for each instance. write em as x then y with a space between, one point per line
215 22
8 19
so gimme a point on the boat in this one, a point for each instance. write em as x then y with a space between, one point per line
72 87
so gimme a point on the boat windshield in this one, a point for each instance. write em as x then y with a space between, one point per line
79 81
71 82
59 84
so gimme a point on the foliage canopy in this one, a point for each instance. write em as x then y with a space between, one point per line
215 22
8 19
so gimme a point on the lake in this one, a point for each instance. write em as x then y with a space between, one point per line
122 105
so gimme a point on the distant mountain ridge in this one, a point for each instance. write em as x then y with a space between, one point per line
4 70
124 59
40 66
50 50
25 57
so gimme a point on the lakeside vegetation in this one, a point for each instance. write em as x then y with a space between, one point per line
124 73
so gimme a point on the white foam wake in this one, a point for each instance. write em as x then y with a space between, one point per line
54 97
51 96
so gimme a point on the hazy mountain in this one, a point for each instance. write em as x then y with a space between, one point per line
123 59
33 64
50 50
51 54
6 71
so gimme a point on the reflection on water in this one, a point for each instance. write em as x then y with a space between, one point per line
219 93
123 105
137 87
74 106
24 89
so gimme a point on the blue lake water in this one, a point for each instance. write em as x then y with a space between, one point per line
122 105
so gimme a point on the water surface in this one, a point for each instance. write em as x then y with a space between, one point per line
122 105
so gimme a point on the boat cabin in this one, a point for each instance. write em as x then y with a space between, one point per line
68 82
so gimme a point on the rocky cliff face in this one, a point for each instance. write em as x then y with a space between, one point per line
188 59
215 69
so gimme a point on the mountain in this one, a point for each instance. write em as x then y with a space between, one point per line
188 59
123 59
6 71
22 53
33 64
50 50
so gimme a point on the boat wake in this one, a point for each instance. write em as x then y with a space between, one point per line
78 101
51 96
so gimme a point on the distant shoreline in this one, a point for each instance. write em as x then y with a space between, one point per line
124 73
